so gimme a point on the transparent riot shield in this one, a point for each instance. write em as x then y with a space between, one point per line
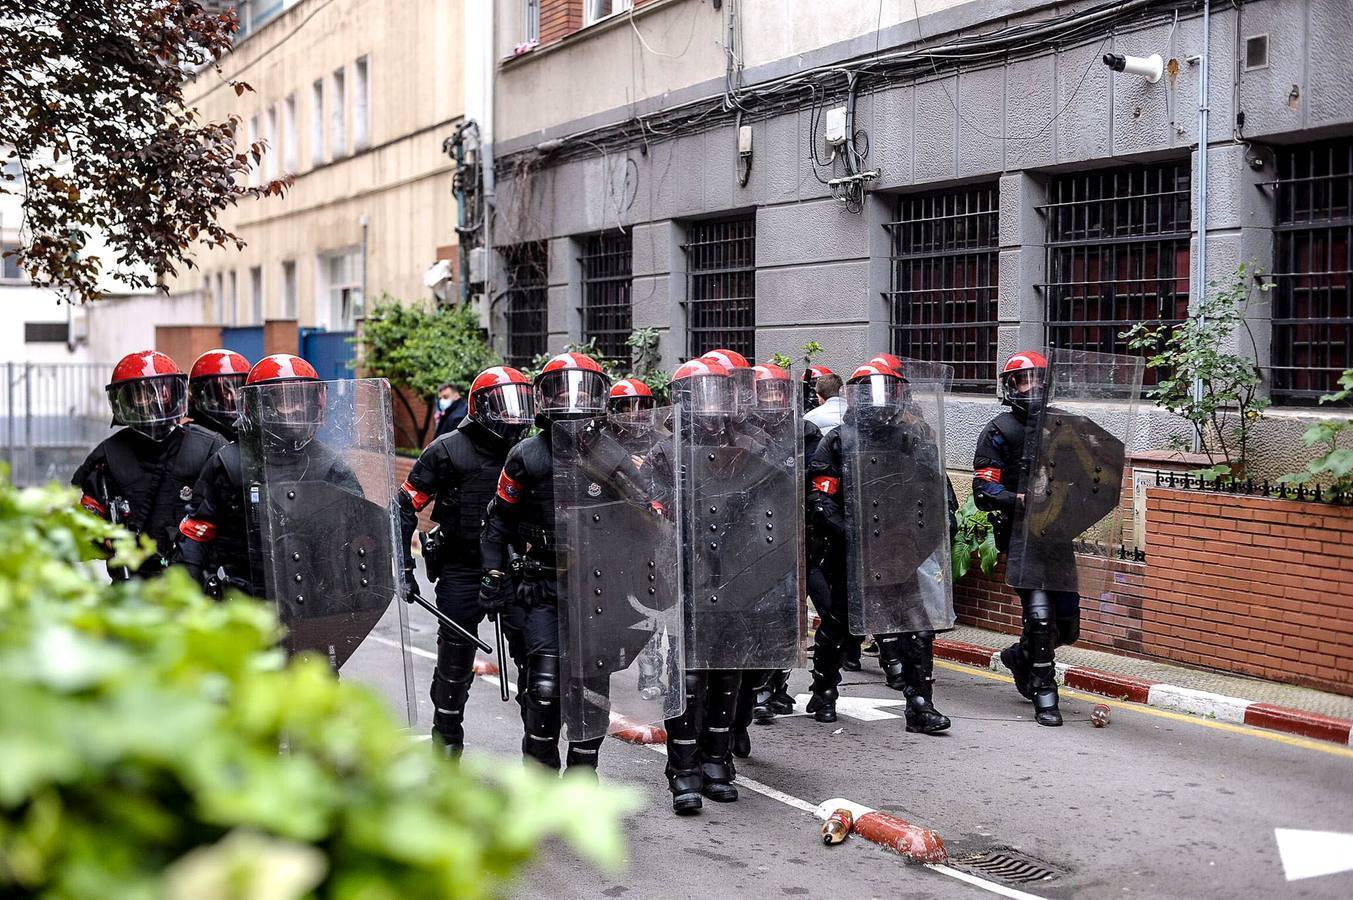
895 495
740 492
1074 457
620 629
318 471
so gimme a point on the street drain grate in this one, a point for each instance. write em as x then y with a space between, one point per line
1006 864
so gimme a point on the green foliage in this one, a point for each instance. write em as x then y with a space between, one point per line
811 350
1336 464
139 749
1224 412
418 347
976 534
645 361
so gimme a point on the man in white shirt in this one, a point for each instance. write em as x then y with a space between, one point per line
831 405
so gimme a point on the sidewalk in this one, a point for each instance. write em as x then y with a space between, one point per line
1235 698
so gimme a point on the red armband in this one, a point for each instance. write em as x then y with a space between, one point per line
93 506
509 490
197 530
416 497
825 484
990 473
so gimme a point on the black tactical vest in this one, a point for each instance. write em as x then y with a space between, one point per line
156 479
474 463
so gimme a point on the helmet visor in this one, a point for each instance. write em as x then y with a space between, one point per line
291 404
1023 384
217 396
876 392
149 401
772 394
623 405
707 394
571 392
505 404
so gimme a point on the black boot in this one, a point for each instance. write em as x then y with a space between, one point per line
451 680
1014 659
1040 634
781 703
540 703
763 710
890 661
684 777
918 656
826 676
741 742
716 751
850 654
582 759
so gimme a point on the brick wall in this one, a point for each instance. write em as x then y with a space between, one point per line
1249 585
403 465
185 343
559 19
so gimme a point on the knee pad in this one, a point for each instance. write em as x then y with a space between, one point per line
455 660
1068 630
543 680
1038 612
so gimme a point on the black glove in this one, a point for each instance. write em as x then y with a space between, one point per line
495 593
411 586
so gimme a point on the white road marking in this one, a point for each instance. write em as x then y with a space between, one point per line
1307 854
982 883
862 709
416 651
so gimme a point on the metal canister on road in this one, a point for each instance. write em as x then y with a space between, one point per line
837 826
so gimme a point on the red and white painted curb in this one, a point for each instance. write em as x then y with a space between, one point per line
1168 696
621 727
915 842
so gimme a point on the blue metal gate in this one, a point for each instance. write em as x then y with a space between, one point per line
246 340
330 352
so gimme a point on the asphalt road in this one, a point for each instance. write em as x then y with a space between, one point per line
1157 804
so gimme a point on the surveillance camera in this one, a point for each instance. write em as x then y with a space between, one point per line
1149 67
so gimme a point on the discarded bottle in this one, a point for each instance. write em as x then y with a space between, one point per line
837 826
1099 716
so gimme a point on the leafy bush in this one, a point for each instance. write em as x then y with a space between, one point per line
418 347
1336 463
1224 411
139 749
975 535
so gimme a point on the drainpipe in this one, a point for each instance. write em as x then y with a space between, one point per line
1200 285
489 179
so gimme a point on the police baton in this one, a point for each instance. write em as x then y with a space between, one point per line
502 659
411 595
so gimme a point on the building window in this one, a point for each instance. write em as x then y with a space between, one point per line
317 122
255 135
526 269
531 33
945 263
220 299
338 107
256 294
274 151
343 276
607 311
1118 254
46 332
289 134
361 105
721 286
1313 263
289 293
232 301
9 266
596 10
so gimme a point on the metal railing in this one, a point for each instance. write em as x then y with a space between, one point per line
51 416
1248 487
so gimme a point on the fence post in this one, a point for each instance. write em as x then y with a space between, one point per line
9 421
31 454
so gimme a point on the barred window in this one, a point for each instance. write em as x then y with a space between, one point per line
1313 262
526 268
942 301
607 312
721 286
1118 254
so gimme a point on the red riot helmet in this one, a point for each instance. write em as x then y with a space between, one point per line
571 386
885 389
740 374
703 386
214 384
148 393
502 401
888 361
1023 379
630 395
289 399
810 377
773 391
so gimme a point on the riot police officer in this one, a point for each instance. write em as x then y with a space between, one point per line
214 384
215 543
520 517
907 658
458 473
142 475
1051 618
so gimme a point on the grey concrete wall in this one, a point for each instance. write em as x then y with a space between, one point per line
821 269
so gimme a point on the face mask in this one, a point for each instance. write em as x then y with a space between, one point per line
443 403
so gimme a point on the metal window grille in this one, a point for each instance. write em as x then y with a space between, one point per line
607 311
526 299
1313 259
1118 254
942 301
721 286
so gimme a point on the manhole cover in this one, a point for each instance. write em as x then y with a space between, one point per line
1006 864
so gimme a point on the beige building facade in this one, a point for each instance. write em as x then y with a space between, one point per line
354 99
